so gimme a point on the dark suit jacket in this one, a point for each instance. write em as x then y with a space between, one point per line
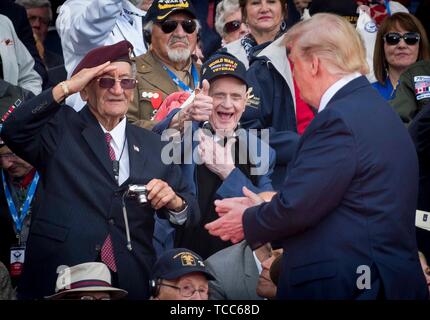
348 201
420 133
82 201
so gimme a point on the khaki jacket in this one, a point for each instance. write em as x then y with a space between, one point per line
154 85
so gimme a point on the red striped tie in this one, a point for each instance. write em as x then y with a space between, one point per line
107 254
108 138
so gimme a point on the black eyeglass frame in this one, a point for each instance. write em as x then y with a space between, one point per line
410 38
170 25
181 290
232 26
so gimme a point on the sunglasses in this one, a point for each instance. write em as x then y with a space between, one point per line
232 26
410 38
107 83
168 26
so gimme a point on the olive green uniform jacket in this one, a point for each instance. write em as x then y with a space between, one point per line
153 86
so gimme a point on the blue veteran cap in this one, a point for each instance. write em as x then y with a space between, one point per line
175 263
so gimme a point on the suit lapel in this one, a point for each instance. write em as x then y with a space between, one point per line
93 135
136 152
251 271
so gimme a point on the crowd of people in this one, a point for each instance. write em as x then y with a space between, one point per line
214 149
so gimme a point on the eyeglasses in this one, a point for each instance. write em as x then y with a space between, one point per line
8 156
232 26
188 290
410 38
169 26
125 83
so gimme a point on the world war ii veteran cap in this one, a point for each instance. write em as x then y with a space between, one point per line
116 52
161 9
223 65
175 263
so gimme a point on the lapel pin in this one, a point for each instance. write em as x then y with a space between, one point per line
136 148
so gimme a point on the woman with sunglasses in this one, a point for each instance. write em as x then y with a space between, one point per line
266 22
228 21
400 42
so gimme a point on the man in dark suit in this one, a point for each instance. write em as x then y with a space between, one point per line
346 211
87 162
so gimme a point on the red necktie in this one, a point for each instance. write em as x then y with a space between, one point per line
108 139
107 254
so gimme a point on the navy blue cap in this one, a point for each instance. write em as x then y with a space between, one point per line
223 64
175 263
161 9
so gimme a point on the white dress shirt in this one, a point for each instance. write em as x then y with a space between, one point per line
334 88
120 147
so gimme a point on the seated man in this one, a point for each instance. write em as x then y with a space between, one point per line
85 281
241 274
225 157
89 163
180 274
269 275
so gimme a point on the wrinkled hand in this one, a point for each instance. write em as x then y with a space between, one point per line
80 80
160 194
201 108
229 226
216 158
83 77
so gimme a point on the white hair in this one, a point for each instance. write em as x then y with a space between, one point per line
223 9
31 4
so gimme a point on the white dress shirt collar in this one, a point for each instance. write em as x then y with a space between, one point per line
120 147
257 262
335 87
117 133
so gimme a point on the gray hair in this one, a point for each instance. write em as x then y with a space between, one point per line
223 9
30 4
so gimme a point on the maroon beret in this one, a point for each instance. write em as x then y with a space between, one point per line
116 52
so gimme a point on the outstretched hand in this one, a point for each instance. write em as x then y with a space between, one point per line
229 226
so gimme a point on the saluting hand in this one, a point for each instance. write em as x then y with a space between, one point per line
80 80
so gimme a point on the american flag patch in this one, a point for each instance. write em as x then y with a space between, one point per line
422 87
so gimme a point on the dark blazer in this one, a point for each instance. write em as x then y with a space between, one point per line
348 201
82 201
420 133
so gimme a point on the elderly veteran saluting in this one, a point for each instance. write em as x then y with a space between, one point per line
87 161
